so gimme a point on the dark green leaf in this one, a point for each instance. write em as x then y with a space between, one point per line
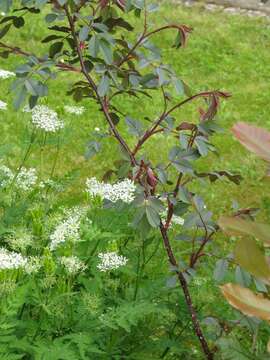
152 216
220 269
106 51
104 86
93 46
49 18
20 98
4 30
83 34
134 127
93 148
51 38
55 48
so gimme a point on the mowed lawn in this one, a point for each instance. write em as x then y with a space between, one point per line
224 52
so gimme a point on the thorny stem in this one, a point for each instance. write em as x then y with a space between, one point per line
196 325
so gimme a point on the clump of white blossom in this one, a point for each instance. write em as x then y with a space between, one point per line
45 119
72 264
76 110
26 179
3 105
19 240
5 74
6 176
68 228
177 220
111 261
123 190
10 260
33 265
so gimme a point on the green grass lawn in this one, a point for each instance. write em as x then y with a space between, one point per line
224 52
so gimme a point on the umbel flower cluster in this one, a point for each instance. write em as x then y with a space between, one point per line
68 228
10 260
25 180
46 119
3 105
6 176
123 190
75 110
72 264
111 261
5 74
176 220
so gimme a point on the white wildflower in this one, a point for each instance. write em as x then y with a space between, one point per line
33 265
97 129
175 220
11 260
123 190
47 183
72 264
3 105
26 179
76 110
3 13
111 261
5 74
6 176
67 229
19 240
46 119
